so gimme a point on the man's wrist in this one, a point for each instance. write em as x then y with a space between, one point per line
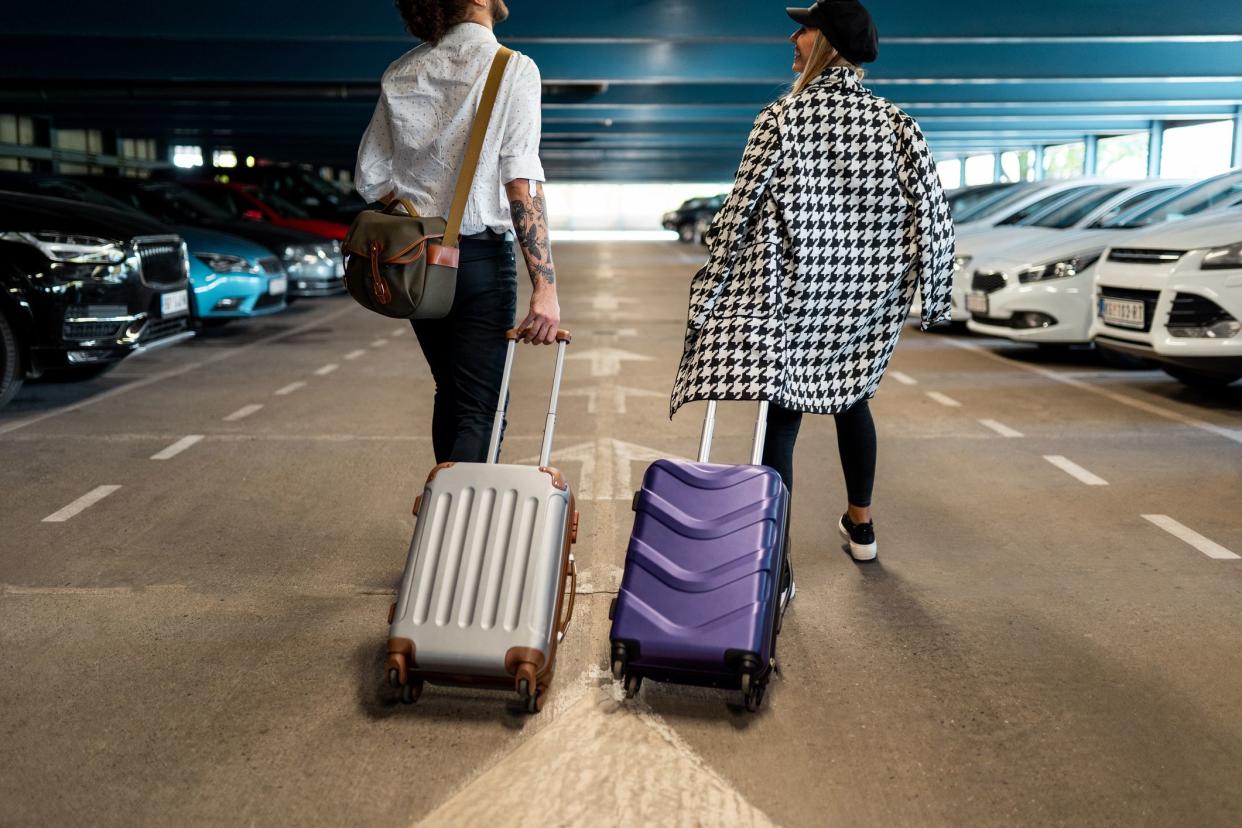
544 287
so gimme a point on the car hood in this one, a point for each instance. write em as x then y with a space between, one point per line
995 239
20 212
199 240
1212 229
1061 245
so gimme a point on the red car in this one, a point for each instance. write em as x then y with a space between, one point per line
242 200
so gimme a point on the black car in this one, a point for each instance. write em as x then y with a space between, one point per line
313 263
82 287
691 219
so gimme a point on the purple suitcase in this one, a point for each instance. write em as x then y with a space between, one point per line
699 600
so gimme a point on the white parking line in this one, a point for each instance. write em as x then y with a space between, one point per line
1190 536
944 399
379 343
243 412
290 388
327 369
1074 470
83 503
1000 428
904 379
177 447
355 354
1234 434
398 331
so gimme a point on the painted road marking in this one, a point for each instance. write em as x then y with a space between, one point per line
379 343
904 379
1190 536
175 372
177 447
1000 428
290 388
243 412
327 369
1074 470
356 354
944 399
398 331
83 503
1234 434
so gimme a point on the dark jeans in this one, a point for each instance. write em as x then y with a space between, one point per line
466 350
855 442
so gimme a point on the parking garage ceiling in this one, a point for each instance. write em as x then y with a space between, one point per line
634 90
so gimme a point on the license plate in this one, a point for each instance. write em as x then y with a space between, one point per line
977 303
277 286
175 303
1123 313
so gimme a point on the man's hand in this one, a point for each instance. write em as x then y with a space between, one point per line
530 224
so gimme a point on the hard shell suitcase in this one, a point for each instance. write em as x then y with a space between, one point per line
482 595
699 598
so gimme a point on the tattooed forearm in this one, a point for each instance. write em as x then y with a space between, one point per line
530 224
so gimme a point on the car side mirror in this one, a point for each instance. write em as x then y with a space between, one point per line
253 215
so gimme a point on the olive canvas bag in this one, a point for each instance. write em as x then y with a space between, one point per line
405 265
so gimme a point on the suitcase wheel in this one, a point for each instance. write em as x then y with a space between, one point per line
532 700
753 696
633 683
410 692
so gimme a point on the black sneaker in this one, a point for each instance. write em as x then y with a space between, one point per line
860 537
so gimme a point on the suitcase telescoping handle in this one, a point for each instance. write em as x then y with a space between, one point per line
563 338
709 430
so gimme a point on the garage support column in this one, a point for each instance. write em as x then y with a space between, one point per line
1237 139
1155 148
998 168
1038 163
1091 155
962 173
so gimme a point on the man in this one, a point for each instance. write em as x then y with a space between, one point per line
413 149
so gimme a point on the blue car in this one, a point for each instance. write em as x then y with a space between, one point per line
231 278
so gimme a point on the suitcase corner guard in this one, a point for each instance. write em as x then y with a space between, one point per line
524 664
400 658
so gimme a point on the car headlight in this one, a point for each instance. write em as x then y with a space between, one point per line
1223 258
313 261
70 249
1063 269
226 263
960 263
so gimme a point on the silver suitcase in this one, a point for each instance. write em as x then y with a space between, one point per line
488 572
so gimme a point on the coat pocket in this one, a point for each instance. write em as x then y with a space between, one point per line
752 289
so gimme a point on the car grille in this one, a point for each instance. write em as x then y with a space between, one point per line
1139 256
987 282
267 300
163 262
272 266
1191 311
157 329
1147 297
92 330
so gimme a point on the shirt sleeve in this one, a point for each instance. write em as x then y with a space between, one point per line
519 150
373 173
929 228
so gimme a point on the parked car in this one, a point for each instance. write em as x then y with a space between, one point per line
301 187
1042 290
965 199
82 287
1172 294
692 218
313 264
243 201
230 277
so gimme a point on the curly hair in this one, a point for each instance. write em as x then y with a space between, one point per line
428 20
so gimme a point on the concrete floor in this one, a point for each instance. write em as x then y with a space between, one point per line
203 645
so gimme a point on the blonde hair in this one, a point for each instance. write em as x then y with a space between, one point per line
824 56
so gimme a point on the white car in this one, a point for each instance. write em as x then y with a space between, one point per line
1173 294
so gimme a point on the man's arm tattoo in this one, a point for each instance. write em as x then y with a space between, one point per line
530 224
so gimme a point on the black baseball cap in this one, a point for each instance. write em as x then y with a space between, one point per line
846 23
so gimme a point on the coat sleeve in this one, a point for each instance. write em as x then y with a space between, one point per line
373 173
729 227
929 229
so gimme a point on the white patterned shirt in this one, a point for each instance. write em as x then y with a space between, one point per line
417 138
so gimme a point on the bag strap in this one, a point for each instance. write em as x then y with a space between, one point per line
474 147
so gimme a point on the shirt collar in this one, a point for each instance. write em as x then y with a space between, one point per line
469 33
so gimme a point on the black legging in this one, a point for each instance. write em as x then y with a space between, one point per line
855 441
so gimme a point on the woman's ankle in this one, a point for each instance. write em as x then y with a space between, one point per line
859 514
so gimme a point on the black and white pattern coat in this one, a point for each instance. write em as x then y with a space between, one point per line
837 216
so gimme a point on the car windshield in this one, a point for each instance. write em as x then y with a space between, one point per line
1214 192
284 208
177 205
1134 202
1062 216
965 200
1000 201
60 188
1052 200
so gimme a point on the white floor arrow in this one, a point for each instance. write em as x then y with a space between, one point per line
606 467
612 397
606 362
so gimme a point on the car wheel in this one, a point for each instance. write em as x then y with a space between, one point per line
685 233
1200 379
11 371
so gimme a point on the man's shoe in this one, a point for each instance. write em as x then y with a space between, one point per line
860 537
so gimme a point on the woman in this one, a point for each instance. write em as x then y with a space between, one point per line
836 218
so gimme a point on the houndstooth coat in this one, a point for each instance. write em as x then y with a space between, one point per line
837 216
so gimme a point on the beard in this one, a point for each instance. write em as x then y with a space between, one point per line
500 12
